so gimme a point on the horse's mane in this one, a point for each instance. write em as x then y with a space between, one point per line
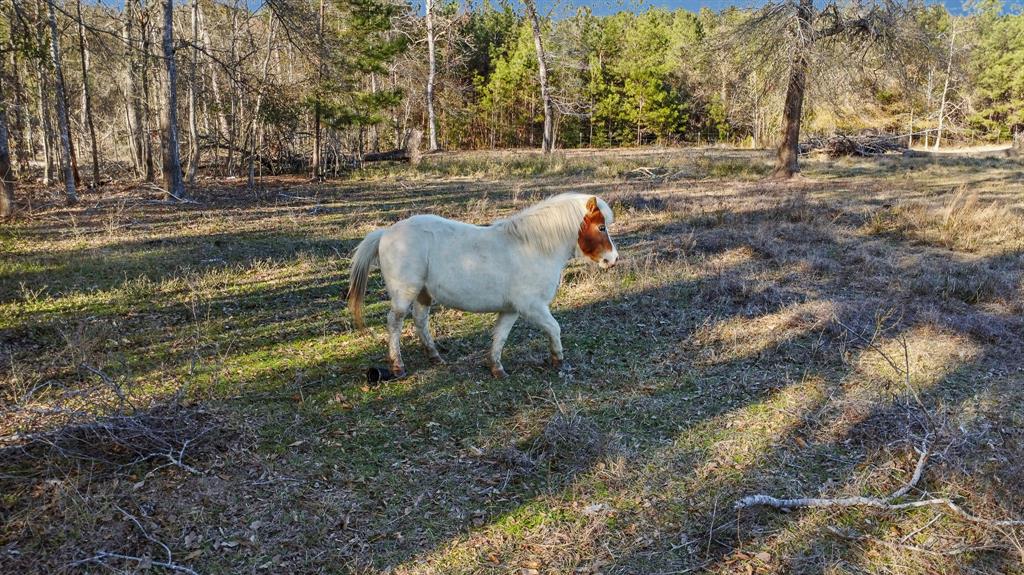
550 225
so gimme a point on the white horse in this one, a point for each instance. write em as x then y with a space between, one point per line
511 267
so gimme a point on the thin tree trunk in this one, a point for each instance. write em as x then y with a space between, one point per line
255 140
236 95
173 182
44 115
316 104
62 110
144 30
136 123
547 144
787 162
945 90
431 76
222 121
193 131
6 169
22 140
87 97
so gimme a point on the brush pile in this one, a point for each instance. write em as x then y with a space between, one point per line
838 145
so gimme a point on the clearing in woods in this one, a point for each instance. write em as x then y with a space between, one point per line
741 346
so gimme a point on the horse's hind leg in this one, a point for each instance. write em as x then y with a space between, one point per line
396 317
421 317
542 318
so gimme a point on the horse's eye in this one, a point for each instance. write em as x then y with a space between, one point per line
602 228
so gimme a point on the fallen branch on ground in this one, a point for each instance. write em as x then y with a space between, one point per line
887 503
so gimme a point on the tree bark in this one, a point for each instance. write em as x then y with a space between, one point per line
787 158
62 110
431 77
6 169
547 144
173 181
87 97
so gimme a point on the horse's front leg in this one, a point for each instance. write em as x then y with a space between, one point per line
504 325
542 318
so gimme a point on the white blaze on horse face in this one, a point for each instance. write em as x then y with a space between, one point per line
594 240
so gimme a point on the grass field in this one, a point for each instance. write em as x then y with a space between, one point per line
182 387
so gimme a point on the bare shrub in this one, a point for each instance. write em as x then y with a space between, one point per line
166 435
571 440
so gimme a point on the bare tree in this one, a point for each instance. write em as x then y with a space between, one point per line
316 167
193 131
62 110
173 181
431 76
945 87
87 96
803 33
542 75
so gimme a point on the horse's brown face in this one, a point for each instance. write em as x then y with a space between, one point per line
594 241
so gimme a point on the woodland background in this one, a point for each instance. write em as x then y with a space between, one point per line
293 86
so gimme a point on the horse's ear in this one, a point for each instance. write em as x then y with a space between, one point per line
592 205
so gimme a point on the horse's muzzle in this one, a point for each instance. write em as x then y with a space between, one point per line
609 260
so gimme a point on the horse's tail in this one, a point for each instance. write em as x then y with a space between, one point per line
359 273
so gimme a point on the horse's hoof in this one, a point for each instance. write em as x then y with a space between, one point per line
398 372
498 372
557 363
437 360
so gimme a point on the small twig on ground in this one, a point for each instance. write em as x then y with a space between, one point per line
102 555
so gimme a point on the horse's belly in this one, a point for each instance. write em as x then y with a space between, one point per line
468 295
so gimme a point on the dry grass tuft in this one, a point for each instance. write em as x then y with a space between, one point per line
964 224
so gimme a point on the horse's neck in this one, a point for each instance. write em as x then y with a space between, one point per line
555 260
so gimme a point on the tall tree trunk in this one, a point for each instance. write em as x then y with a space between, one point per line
236 96
547 144
44 115
133 102
193 131
945 89
62 110
87 97
173 181
22 134
6 169
222 121
787 159
315 164
431 76
144 30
